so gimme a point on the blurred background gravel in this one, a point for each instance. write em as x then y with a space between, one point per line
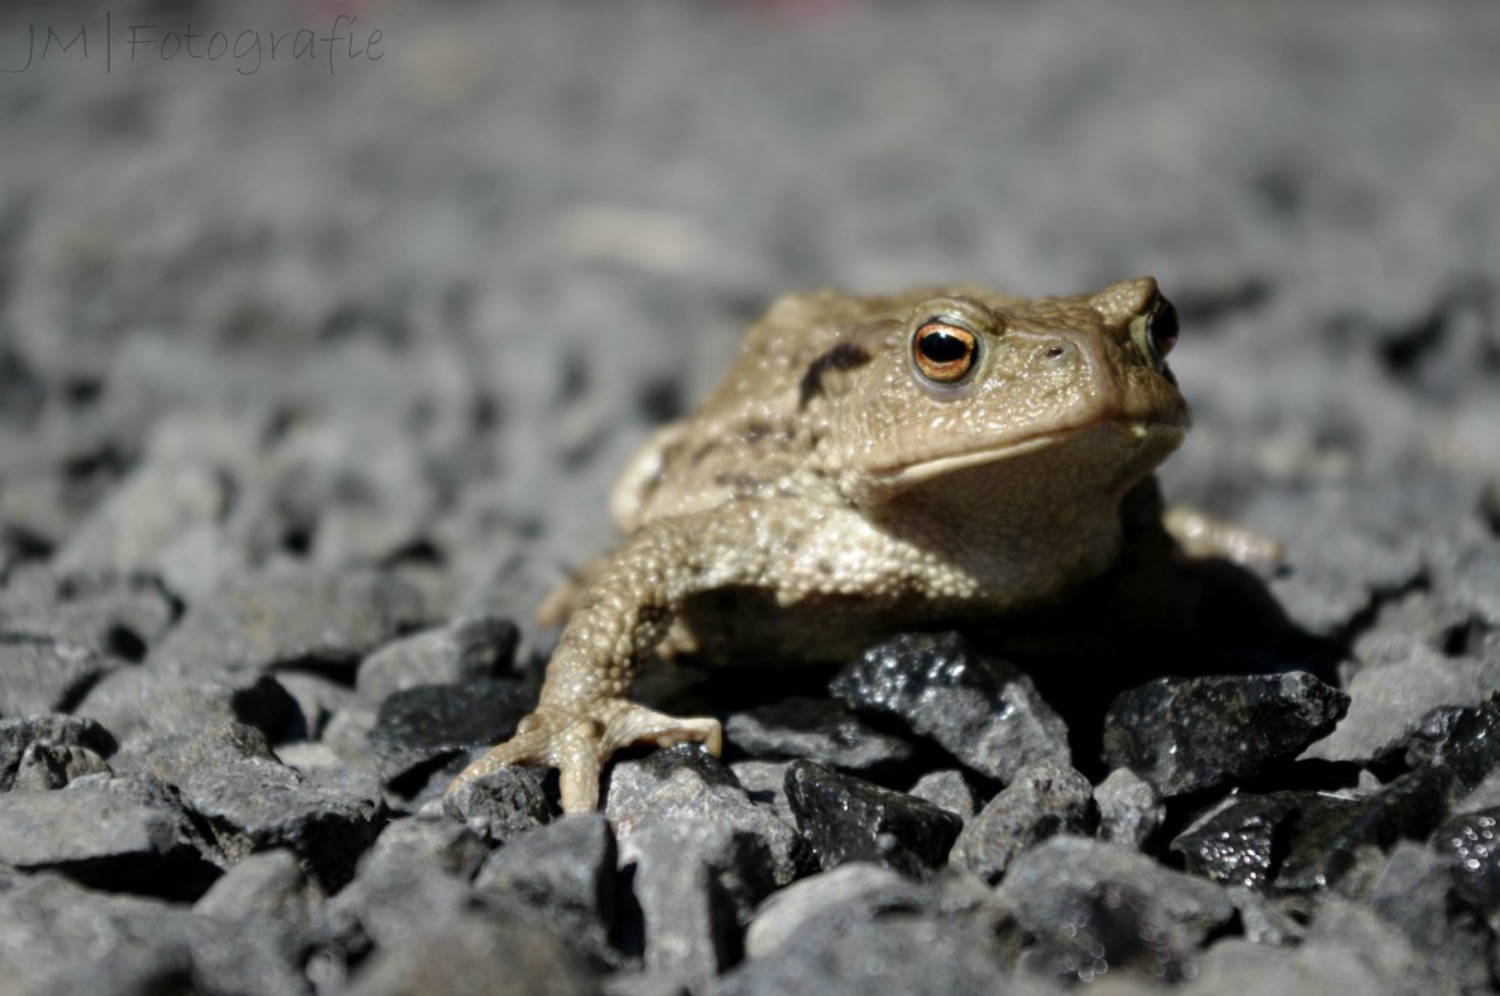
412 312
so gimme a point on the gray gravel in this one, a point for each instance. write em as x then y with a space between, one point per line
314 374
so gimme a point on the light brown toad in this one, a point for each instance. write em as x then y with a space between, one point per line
868 464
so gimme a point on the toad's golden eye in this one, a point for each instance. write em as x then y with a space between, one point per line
943 352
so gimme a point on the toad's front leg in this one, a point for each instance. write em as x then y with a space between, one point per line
584 714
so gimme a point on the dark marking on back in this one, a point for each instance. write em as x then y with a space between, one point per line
844 356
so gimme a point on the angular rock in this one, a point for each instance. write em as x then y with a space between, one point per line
153 699
1387 702
1092 907
948 790
765 783
1189 734
816 729
301 618
1234 965
694 884
59 937
43 675
17 736
831 902
426 726
471 648
915 954
686 783
91 835
318 698
1130 810
1330 833
1044 799
476 955
1416 893
427 840
228 777
982 710
51 766
566 869
1464 741
1347 541
269 887
118 617
142 516
504 804
1357 933
847 819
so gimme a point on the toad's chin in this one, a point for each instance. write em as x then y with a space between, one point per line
1107 456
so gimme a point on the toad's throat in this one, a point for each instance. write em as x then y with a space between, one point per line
1136 440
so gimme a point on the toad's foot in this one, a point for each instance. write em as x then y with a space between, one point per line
578 741
1202 535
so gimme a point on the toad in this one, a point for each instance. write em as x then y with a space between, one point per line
868 464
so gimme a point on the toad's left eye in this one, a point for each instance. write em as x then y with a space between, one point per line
1161 330
944 353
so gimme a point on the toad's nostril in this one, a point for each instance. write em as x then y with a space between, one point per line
1054 352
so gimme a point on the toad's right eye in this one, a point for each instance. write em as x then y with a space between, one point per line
944 352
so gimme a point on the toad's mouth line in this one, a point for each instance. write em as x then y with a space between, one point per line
1142 433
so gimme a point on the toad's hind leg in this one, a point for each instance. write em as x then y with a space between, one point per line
584 714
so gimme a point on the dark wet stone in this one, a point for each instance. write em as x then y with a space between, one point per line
1130 809
694 884
949 790
981 709
300 618
1240 841
847 819
1417 894
51 766
472 648
476 954
686 783
153 699
425 726
1188 734
1330 833
1387 702
1471 844
43 676
567 869
1046 798
1464 741
504 804
910 953
1091 907
19 735
816 729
